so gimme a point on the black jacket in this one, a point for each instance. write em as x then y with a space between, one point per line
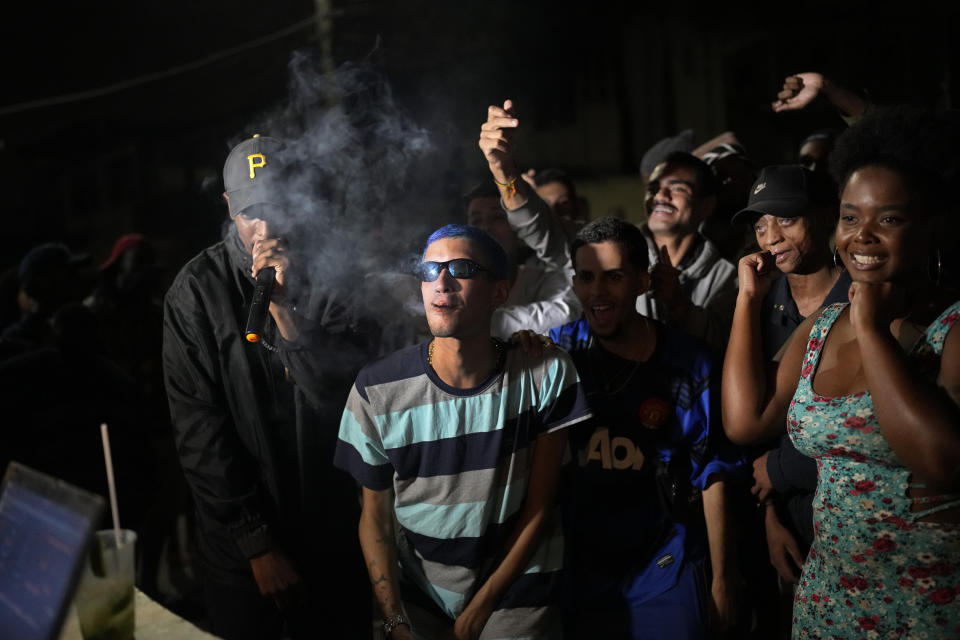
255 428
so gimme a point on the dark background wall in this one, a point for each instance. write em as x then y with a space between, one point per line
117 116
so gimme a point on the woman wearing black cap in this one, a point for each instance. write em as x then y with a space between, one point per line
792 212
871 390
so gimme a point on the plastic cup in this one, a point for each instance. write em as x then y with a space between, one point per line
104 598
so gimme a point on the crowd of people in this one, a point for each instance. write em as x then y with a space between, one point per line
740 419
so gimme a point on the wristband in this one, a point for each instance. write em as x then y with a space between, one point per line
509 188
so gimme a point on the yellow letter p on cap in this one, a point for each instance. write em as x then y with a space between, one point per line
256 160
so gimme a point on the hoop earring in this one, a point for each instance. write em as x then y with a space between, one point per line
837 262
936 279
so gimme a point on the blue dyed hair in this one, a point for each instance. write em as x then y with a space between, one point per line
493 254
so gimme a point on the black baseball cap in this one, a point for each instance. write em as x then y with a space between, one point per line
656 154
252 175
786 191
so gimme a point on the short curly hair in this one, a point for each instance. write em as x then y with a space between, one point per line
919 144
612 229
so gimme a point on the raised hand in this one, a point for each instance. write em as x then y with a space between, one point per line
874 305
665 279
798 91
269 252
755 273
529 176
497 136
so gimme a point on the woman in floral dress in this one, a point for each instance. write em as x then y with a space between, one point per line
871 390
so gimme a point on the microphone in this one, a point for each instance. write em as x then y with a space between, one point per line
260 304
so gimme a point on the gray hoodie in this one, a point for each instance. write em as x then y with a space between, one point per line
708 280
710 284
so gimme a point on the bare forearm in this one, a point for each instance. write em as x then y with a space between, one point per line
523 543
716 512
847 101
744 380
523 540
921 425
379 552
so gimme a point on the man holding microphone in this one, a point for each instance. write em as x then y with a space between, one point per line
249 422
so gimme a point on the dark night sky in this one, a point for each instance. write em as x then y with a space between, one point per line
611 78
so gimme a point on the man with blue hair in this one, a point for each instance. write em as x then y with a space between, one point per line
459 440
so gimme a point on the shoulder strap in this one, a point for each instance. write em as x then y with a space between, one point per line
819 331
936 503
936 333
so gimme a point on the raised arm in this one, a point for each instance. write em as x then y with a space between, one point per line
497 141
801 89
535 223
310 330
541 491
755 396
920 421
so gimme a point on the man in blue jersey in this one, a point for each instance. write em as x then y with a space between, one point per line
646 504
461 440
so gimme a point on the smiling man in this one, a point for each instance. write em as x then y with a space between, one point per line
460 439
648 481
692 287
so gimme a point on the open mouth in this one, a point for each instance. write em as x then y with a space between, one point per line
662 210
601 312
781 257
866 261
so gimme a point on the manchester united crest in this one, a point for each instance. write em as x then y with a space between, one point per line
653 413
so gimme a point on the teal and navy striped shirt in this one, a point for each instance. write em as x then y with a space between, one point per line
458 461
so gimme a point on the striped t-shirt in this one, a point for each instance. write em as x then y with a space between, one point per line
458 461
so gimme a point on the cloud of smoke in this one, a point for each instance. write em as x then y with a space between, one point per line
357 188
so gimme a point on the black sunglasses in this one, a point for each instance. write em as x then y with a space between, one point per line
459 268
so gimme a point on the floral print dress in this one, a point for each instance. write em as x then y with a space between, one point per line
874 570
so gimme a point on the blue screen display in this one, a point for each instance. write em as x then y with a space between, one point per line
40 543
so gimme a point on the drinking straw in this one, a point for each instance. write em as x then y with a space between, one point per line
115 512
